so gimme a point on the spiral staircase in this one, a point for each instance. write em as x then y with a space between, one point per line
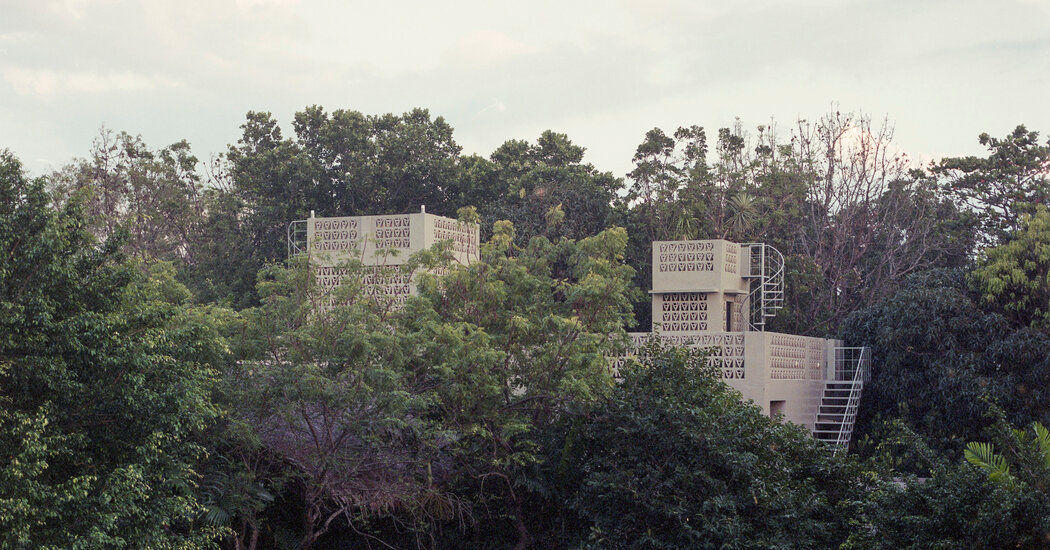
766 273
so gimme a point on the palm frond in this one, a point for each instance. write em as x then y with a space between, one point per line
983 456
1042 436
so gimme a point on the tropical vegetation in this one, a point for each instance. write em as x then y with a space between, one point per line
170 378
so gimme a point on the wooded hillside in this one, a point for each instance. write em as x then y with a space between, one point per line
168 381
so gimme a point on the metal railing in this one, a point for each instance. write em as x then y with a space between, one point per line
854 364
766 271
849 360
297 238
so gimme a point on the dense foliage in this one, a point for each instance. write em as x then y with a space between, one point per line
105 374
674 460
136 410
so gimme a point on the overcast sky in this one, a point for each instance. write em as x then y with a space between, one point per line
602 72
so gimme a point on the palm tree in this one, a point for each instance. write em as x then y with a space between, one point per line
996 466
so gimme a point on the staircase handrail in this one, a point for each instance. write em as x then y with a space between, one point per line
297 231
853 402
767 293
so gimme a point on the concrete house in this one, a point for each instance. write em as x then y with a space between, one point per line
330 241
710 294
718 296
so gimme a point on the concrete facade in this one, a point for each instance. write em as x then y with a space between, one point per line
714 295
383 244
705 295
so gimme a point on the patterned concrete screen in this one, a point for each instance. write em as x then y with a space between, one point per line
702 298
713 295
384 244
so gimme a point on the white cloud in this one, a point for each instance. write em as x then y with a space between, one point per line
45 82
490 47
250 4
72 9
603 72
13 37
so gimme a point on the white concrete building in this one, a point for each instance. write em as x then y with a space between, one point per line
709 294
718 295
382 243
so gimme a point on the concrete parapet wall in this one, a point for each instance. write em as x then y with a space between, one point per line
383 244
774 370
387 240
699 266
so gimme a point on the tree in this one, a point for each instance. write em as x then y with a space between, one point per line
674 459
105 374
958 503
155 194
1013 181
510 344
376 164
954 506
866 221
939 358
325 388
538 180
1029 454
1014 277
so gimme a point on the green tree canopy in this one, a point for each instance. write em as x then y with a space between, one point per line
1014 180
513 343
674 459
939 358
536 180
1014 277
104 380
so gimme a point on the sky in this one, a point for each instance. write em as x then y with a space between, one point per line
602 72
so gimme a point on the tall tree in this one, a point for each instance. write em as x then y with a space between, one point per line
1013 181
513 343
866 221
547 189
939 356
105 374
326 389
1014 277
155 194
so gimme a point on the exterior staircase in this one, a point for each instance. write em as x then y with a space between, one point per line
297 232
838 405
766 272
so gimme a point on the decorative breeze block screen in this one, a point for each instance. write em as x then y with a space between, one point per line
336 234
682 312
795 357
686 256
726 350
392 232
464 237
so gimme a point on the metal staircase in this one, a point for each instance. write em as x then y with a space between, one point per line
297 238
766 271
838 405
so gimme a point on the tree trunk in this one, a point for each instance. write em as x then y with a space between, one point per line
524 538
254 541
